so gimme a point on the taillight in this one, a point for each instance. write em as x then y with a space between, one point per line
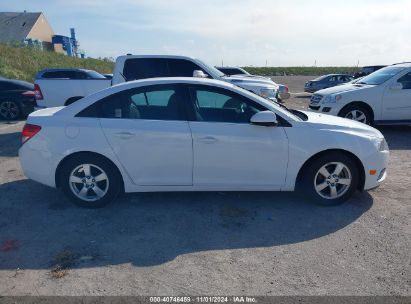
286 89
29 131
29 94
37 92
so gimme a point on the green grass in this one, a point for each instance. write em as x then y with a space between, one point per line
24 62
280 71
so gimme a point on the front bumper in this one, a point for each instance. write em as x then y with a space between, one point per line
310 89
375 167
328 108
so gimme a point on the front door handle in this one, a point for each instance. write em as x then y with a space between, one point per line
208 139
124 135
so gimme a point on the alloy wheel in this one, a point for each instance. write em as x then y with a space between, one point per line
9 110
357 115
88 182
332 180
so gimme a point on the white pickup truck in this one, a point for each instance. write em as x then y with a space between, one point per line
61 89
134 67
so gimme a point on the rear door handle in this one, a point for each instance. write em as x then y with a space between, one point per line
208 139
124 135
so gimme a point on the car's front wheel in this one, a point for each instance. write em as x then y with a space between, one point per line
357 113
330 179
89 181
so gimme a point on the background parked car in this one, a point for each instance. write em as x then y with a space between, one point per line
368 70
383 97
282 94
326 81
108 76
233 71
16 98
61 87
134 67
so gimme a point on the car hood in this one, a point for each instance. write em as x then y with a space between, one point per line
238 80
348 87
323 121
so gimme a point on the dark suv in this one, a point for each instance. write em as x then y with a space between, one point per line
368 70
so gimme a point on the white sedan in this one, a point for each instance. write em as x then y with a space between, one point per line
190 134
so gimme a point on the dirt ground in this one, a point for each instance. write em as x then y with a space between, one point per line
215 243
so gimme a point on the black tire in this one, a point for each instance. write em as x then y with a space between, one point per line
348 110
112 186
310 176
9 110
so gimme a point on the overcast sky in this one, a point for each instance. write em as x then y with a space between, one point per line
238 32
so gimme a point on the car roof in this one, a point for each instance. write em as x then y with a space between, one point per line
165 80
228 67
16 81
403 64
129 56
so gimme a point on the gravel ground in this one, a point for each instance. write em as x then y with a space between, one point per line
206 243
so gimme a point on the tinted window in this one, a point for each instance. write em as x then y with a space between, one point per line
220 105
405 81
157 102
141 68
324 77
94 75
182 68
231 71
65 75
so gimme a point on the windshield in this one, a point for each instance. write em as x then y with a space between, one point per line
381 75
275 104
321 78
95 75
212 70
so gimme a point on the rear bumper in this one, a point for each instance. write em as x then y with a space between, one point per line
27 106
38 165
310 89
284 95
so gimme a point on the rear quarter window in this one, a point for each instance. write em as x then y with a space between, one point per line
142 68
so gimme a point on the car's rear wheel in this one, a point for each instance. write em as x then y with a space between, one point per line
9 110
330 179
90 182
357 113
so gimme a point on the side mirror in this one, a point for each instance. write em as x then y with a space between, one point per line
396 86
264 118
199 74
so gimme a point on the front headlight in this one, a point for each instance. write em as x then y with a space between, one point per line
268 93
332 98
380 144
383 146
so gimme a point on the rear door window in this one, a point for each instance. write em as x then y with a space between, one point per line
156 102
